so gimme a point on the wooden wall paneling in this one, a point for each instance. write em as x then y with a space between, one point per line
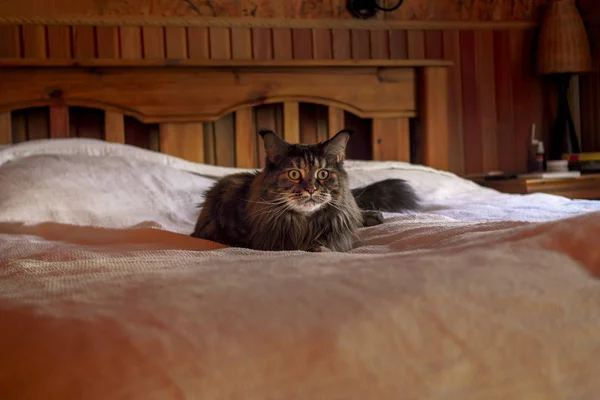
335 120
451 51
322 44
398 44
198 43
176 43
114 127
503 73
308 123
415 41
34 41
245 140
282 44
59 121
38 123
291 122
183 139
486 97
153 42
59 41
434 117
220 43
342 45
107 42
380 44
390 138
262 43
5 128
10 42
361 46
19 126
84 42
241 43
473 152
225 141
434 45
210 156
302 41
130 39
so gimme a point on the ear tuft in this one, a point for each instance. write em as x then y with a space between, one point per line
336 146
275 147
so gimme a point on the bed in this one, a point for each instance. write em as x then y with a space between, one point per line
104 294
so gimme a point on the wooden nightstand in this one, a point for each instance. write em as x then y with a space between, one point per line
584 187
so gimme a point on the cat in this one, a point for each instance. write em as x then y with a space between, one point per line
301 200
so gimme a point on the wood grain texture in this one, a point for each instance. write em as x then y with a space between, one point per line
503 79
415 40
19 126
59 121
130 39
153 42
5 128
59 42
84 42
245 150
486 98
34 41
335 120
262 43
176 43
342 45
434 117
184 140
107 42
224 133
10 41
302 41
114 127
282 44
380 44
391 139
220 43
241 43
291 125
361 46
398 44
198 43
210 147
322 43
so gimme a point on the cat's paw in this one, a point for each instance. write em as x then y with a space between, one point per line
320 249
372 218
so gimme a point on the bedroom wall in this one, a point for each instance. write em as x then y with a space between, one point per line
494 95
590 83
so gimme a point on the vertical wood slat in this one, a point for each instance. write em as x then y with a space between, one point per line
59 42
322 44
472 131
153 42
210 156
59 121
416 44
335 120
486 97
220 43
34 41
10 41
84 42
380 44
241 43
244 138
130 38
262 43
19 126
398 44
114 127
342 45
176 43
183 139
504 102
451 51
434 117
282 44
391 139
224 135
107 42
198 44
361 48
302 42
5 128
291 122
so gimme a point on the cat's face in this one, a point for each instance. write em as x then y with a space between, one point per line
305 178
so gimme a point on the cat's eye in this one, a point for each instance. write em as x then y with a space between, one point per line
294 174
322 174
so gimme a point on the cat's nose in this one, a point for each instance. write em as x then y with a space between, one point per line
310 189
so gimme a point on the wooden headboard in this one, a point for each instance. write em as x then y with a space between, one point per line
181 98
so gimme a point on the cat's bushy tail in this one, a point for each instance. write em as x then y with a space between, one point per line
389 195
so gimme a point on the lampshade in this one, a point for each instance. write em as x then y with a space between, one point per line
563 45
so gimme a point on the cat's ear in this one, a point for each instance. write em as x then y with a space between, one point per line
275 147
336 146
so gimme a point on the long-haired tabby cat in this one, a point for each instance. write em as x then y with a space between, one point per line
300 200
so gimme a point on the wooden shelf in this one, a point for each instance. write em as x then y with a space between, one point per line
584 187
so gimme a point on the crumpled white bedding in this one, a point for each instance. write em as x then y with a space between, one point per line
480 296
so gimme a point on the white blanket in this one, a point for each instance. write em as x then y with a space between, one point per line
473 298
